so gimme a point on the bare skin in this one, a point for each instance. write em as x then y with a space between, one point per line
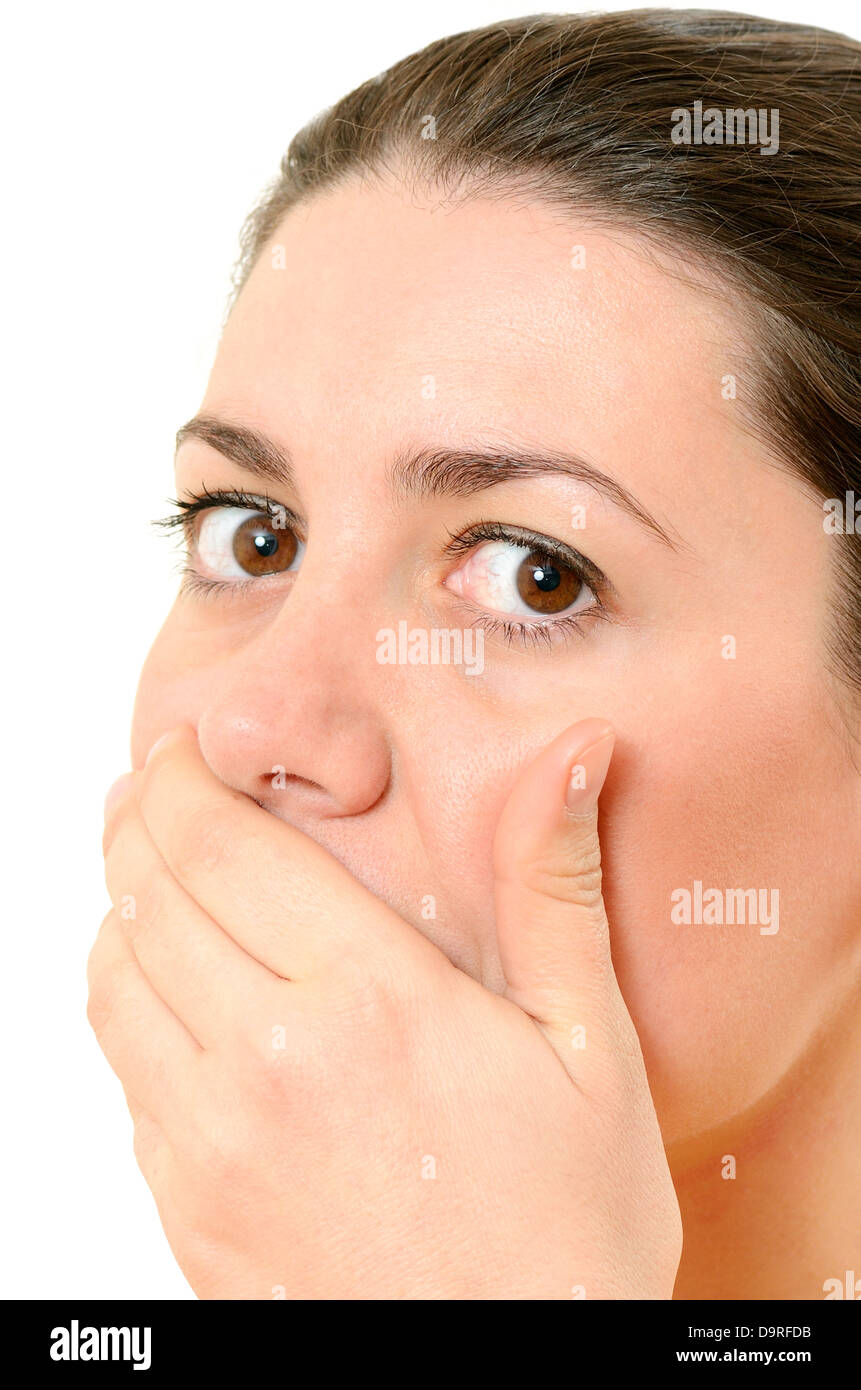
397 324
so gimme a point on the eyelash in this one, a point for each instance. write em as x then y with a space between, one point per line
182 521
534 634
188 508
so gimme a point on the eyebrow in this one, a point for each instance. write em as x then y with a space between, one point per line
426 472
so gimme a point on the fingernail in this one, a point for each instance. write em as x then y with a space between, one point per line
587 776
155 747
117 791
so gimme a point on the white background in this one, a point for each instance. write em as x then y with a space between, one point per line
135 140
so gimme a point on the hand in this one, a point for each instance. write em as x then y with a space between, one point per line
326 1108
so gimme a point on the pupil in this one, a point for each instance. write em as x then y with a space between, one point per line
546 578
265 545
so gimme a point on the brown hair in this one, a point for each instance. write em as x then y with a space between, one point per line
577 111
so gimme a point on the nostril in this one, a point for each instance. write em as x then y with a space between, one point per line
279 779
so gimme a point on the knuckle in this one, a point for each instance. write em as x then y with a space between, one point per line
224 1140
578 884
145 907
107 927
113 825
369 992
372 1022
147 1145
275 1087
106 996
97 978
225 1158
283 1080
383 1017
98 1009
199 1250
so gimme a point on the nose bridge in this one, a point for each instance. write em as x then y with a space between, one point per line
327 623
347 586
319 647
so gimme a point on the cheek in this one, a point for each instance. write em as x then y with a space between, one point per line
723 1011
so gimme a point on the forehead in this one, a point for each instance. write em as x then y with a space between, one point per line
367 269
372 312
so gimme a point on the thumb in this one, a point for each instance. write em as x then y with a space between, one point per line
551 924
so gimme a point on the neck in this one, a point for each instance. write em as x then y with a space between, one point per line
790 1220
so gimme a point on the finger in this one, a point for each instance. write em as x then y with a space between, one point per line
552 926
146 1045
203 976
282 897
151 1148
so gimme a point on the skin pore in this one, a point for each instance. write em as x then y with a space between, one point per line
390 325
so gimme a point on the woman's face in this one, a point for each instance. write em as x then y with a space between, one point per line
376 332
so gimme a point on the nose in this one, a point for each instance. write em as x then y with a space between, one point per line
294 717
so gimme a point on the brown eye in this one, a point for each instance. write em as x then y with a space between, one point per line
238 543
258 548
524 580
547 585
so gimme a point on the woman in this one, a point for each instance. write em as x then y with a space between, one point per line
526 473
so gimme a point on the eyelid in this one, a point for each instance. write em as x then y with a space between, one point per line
473 536
541 634
188 509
